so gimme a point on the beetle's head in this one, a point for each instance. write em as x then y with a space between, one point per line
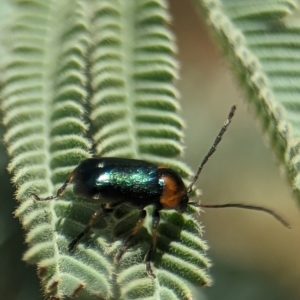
183 203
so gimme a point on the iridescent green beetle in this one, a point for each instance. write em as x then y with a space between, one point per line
112 181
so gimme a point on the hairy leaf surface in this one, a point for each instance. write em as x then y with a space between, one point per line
83 73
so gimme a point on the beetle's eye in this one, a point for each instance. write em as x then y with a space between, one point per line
161 182
100 165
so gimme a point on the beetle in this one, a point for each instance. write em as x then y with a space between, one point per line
112 181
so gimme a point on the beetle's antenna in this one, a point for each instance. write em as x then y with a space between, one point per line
245 206
213 147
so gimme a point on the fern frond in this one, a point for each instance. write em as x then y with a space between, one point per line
43 101
134 109
106 65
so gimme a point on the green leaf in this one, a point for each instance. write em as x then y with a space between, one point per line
101 71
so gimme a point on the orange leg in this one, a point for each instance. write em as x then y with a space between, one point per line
59 192
96 215
156 219
135 230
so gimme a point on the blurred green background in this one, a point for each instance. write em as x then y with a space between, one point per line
253 256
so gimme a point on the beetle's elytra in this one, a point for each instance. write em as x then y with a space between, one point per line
112 182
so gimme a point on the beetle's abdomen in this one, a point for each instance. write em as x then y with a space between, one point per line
124 183
117 179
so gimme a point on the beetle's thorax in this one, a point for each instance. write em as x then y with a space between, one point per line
174 192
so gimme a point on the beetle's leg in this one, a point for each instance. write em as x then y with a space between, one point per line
135 230
96 215
155 222
108 209
59 192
